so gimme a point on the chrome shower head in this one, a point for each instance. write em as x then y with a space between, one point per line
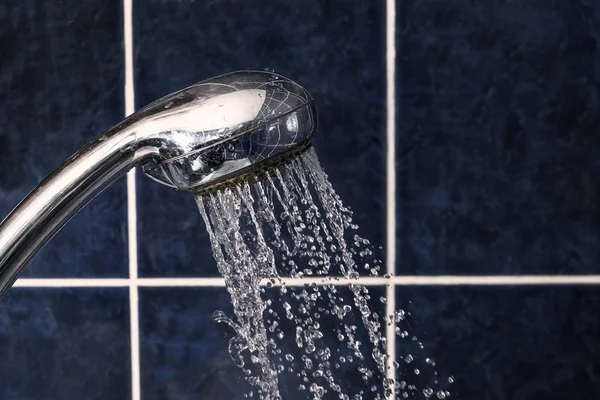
227 128
197 139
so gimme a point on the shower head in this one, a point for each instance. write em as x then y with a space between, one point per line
227 128
198 139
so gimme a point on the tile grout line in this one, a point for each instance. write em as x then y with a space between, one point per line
407 280
496 280
134 325
444 280
390 306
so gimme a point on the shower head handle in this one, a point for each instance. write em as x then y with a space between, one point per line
192 138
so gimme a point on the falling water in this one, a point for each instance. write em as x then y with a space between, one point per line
294 225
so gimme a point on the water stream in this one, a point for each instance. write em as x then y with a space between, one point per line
326 338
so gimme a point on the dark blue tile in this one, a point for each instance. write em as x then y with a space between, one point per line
498 107
507 342
60 86
184 353
65 344
333 48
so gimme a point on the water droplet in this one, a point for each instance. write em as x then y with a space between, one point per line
317 390
296 225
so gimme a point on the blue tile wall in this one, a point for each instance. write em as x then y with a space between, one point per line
497 147
60 86
64 344
497 174
336 49
183 351
508 342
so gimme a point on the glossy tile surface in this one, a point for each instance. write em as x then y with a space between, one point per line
334 48
497 147
65 344
60 86
506 342
184 353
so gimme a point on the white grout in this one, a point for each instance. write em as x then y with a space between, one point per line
128 42
132 210
497 280
407 280
220 282
135 341
391 190
69 282
335 281
181 282
192 282
391 140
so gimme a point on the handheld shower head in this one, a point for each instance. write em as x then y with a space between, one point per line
196 139
227 127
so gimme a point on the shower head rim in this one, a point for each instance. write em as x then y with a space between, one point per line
256 173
